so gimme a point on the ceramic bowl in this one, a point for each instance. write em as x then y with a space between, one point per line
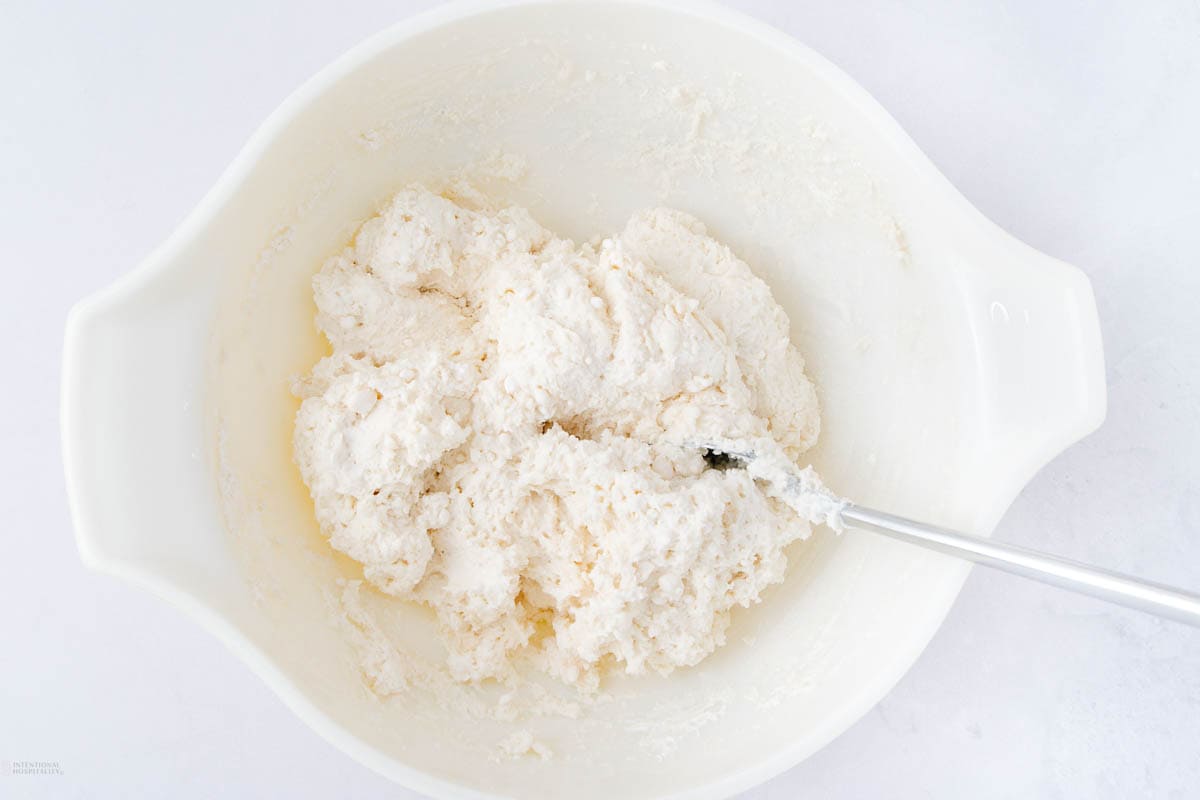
951 360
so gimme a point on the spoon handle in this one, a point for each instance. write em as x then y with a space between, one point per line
1154 598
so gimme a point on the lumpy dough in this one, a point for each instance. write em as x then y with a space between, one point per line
501 433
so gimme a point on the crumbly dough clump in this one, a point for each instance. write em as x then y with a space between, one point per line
502 433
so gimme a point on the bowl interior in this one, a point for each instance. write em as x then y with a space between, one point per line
585 113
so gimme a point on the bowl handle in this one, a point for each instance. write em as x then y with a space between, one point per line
138 471
1035 323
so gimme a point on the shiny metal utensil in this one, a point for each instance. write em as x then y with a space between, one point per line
1124 590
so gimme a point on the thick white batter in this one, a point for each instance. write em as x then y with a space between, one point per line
500 433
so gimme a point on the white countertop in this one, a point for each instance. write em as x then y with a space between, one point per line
1075 126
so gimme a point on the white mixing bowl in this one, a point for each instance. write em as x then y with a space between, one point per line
951 361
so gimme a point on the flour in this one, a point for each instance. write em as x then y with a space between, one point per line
501 434
521 743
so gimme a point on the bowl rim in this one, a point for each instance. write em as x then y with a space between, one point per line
86 313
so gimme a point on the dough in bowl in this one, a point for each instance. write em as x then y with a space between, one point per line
502 434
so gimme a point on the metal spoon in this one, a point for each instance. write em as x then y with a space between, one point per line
797 487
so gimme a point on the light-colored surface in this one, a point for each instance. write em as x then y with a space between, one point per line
1101 715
